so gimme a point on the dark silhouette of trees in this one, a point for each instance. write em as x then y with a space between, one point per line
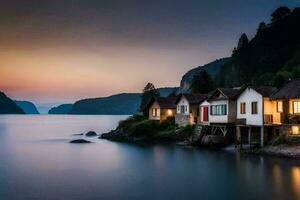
261 27
280 13
243 41
202 83
271 57
149 91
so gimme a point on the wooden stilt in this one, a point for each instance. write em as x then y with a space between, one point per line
249 137
262 136
238 136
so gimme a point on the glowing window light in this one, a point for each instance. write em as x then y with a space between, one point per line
295 130
169 112
279 106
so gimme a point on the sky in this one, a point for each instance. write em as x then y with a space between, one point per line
61 51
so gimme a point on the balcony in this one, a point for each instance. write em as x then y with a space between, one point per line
291 119
268 119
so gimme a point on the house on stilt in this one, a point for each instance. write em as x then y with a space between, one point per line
219 110
287 101
257 116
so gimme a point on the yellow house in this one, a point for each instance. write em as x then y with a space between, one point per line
160 108
287 100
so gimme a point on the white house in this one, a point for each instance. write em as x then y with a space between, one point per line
187 108
219 110
256 112
222 105
255 107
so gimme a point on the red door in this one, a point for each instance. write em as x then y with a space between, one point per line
205 114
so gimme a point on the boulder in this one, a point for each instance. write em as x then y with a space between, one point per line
214 141
80 141
91 134
78 134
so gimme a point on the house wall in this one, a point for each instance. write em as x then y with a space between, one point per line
194 113
249 95
218 118
165 113
154 105
270 108
182 120
183 101
231 112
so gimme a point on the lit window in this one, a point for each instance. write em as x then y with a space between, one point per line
279 106
169 112
254 107
295 130
243 108
154 112
296 107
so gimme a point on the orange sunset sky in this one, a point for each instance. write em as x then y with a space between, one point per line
62 51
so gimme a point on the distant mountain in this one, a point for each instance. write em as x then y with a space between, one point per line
125 103
8 106
212 68
61 109
27 107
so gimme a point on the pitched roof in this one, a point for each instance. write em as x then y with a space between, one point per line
288 91
193 98
166 102
265 91
228 93
163 102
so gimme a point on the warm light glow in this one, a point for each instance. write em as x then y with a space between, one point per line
296 107
296 180
295 130
279 106
169 112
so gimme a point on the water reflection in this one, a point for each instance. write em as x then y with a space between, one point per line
295 173
37 162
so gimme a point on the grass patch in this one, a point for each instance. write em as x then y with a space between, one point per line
165 131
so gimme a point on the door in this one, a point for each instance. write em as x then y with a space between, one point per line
205 113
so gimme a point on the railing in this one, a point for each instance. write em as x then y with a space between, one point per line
240 121
291 119
268 119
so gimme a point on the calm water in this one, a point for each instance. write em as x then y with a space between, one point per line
37 162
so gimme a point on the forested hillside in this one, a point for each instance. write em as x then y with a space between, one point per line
271 57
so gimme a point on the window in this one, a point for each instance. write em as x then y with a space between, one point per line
218 109
243 108
154 112
295 130
183 109
279 106
254 107
296 107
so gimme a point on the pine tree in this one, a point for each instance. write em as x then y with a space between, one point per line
149 91
202 83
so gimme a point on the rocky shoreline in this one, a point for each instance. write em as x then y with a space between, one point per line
283 150
119 135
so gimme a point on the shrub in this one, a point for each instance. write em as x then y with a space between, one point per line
187 130
127 123
169 123
144 128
